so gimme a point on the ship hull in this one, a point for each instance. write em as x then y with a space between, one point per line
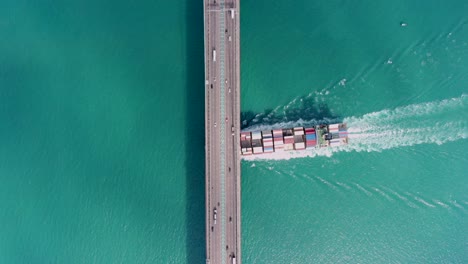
297 138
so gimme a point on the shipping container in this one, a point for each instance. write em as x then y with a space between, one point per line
256 135
298 131
299 146
268 150
287 132
266 133
298 138
257 150
333 127
278 133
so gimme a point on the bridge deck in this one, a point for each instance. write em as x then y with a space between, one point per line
222 123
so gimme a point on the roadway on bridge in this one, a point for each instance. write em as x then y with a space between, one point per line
222 123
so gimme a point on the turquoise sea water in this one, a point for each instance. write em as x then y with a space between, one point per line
101 157
102 141
398 193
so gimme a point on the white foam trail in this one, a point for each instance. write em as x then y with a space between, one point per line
457 205
344 185
309 178
383 194
422 201
396 194
290 124
380 139
426 123
292 174
285 155
440 203
364 190
401 197
409 112
326 182
434 122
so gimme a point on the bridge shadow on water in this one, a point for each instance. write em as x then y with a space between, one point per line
195 133
305 108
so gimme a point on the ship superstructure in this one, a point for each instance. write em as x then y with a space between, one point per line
298 138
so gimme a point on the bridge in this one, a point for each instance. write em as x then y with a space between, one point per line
222 126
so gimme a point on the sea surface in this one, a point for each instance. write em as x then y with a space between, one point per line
399 192
102 131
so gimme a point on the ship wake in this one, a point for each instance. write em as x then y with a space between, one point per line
436 122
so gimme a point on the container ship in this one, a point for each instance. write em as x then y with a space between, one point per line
298 138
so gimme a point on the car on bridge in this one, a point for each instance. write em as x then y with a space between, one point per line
215 212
